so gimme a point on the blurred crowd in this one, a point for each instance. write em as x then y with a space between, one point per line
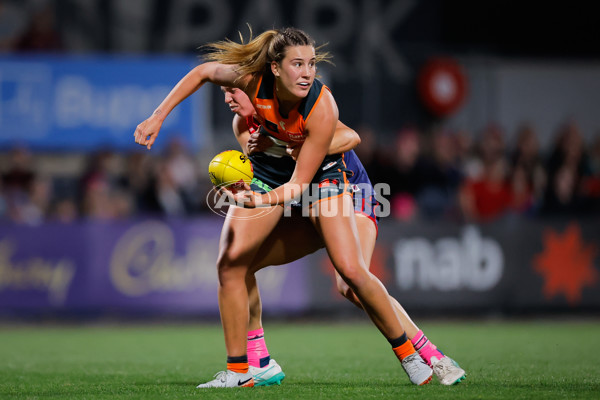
108 186
440 175
465 177
29 25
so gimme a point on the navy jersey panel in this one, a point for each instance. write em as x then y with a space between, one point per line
272 171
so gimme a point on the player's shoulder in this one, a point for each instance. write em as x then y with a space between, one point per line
323 106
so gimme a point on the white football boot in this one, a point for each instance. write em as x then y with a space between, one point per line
229 379
267 376
447 370
417 369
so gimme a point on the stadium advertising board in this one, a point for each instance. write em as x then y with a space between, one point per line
516 266
145 266
82 103
155 266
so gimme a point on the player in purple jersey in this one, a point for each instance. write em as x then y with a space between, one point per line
294 237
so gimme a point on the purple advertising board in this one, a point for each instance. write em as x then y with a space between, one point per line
168 266
145 266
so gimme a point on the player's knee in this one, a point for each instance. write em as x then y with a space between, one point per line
353 275
342 286
230 257
347 292
230 266
223 262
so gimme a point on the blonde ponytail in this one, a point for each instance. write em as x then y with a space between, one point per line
254 56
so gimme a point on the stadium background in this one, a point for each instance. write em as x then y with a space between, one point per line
444 95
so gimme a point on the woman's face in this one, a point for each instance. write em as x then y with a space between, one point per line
295 73
238 101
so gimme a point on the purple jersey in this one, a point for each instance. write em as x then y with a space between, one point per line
363 192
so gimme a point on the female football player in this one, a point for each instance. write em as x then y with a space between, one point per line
294 238
277 71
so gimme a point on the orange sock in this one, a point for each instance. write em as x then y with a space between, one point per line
238 364
242 368
404 350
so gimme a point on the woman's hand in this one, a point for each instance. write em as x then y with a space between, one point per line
293 150
258 143
242 197
145 134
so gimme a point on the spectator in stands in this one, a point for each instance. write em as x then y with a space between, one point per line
486 197
183 172
63 210
165 193
568 166
95 203
528 172
369 154
591 184
41 34
21 183
37 205
101 196
439 176
562 197
523 198
20 173
402 174
467 160
568 149
138 182
13 22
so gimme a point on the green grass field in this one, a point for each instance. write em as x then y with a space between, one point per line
504 360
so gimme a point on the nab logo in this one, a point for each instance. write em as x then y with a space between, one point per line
469 262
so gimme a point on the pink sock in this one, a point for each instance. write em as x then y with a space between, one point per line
426 349
258 355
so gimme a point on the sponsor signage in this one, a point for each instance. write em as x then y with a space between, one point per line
506 267
82 103
157 266
144 266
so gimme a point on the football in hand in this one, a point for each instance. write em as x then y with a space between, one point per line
231 169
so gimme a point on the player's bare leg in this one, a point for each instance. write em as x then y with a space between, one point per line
293 238
243 232
335 220
446 370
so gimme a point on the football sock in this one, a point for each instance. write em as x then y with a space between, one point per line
427 350
402 347
238 364
258 354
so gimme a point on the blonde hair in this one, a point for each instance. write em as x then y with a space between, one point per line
254 57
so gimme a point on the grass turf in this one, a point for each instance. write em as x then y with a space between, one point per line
549 360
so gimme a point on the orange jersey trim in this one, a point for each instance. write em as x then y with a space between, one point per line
290 128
